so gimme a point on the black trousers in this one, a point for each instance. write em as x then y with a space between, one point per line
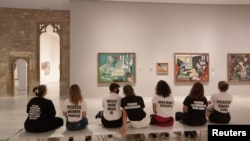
43 125
111 123
218 117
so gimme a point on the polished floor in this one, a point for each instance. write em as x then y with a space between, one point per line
13 114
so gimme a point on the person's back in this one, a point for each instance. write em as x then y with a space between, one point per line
40 108
41 113
111 107
194 109
75 111
134 106
133 109
219 108
111 115
74 117
162 105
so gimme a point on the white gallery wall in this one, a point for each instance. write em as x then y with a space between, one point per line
155 32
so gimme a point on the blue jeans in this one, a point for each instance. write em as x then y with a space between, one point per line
74 126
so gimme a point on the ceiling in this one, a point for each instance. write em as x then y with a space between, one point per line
65 4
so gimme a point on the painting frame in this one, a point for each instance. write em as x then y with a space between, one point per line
191 67
162 68
238 67
116 67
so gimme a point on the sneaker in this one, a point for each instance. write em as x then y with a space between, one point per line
110 136
186 133
166 135
88 138
99 114
192 134
71 139
153 136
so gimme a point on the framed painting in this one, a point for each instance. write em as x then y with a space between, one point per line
47 68
238 67
190 67
161 68
116 67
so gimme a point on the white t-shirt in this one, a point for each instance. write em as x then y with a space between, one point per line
164 106
112 107
221 101
74 113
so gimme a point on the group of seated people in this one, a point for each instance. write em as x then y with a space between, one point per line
117 111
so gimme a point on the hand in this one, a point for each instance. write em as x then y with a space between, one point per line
123 132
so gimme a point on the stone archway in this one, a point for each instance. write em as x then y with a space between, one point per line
12 62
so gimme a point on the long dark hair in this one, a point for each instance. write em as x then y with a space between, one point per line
163 89
128 90
40 90
197 91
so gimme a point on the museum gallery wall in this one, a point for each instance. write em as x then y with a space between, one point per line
159 36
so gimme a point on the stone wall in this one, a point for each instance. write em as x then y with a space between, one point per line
19 38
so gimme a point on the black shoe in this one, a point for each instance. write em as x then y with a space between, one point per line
99 114
192 134
186 133
110 136
153 135
88 138
166 135
71 139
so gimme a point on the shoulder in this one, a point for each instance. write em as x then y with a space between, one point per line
139 98
48 100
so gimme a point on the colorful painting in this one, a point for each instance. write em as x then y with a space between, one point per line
191 67
161 68
239 67
116 67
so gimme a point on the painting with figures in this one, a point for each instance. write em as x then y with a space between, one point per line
191 67
116 67
239 67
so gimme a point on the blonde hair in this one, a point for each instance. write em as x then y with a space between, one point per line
75 94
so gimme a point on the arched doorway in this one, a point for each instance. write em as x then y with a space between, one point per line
20 77
49 58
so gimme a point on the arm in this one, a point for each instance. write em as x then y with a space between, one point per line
51 109
185 108
84 113
154 108
124 123
65 114
209 102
